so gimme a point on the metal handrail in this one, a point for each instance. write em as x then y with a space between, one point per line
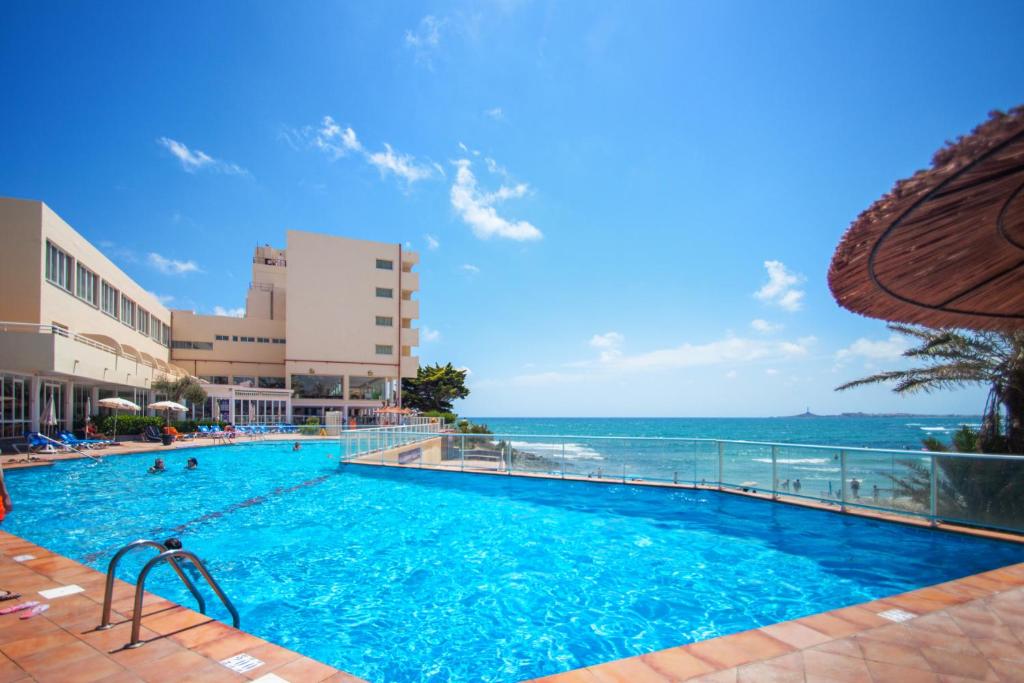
140 589
108 592
70 447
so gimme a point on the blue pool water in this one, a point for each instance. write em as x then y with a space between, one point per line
409 575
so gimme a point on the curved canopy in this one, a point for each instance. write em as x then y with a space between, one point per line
945 248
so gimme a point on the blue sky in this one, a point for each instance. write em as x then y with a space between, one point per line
622 208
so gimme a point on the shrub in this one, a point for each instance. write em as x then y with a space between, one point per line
128 424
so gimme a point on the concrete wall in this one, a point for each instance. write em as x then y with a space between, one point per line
229 358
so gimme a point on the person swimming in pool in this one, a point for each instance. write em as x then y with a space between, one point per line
158 466
297 446
191 464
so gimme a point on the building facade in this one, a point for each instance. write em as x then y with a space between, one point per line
74 328
329 319
328 326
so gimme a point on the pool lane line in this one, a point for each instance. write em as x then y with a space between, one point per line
249 502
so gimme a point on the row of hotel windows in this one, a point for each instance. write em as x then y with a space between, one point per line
98 293
208 346
311 386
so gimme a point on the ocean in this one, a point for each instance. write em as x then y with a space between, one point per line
858 431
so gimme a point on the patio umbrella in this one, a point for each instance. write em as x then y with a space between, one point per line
49 416
167 407
117 404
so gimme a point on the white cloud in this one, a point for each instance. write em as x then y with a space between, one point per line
335 140
765 327
732 374
781 288
171 266
229 312
162 298
427 34
496 113
470 268
874 350
432 242
771 371
429 335
402 165
194 160
477 208
607 340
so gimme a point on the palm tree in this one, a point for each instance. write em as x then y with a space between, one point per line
957 358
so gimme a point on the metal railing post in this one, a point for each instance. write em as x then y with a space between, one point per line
462 455
933 502
775 472
563 458
842 480
721 455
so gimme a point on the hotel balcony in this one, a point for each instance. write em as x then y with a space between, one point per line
411 281
409 366
410 308
410 336
28 347
410 258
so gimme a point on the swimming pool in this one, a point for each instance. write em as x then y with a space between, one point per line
408 575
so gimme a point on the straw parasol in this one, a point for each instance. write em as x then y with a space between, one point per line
117 404
168 407
945 248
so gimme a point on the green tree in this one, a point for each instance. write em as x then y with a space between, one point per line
185 388
952 359
434 388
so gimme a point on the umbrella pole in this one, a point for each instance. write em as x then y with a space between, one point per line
116 411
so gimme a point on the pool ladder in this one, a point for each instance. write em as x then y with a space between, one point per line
172 557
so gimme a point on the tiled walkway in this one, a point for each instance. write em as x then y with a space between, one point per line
62 645
966 630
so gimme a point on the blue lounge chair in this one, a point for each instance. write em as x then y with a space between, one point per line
69 439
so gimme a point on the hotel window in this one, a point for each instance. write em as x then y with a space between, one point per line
384 349
110 299
366 388
154 328
385 292
278 341
247 339
262 340
198 346
384 264
165 334
244 381
85 285
272 383
215 379
385 321
58 266
317 386
127 311
143 321
220 337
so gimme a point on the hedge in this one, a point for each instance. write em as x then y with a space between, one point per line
136 424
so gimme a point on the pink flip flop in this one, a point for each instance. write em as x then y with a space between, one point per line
38 609
18 608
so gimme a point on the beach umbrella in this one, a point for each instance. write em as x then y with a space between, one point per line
117 404
168 407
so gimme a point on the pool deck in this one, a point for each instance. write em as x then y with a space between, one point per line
970 629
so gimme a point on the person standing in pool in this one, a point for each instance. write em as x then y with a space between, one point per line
796 486
191 464
855 487
158 466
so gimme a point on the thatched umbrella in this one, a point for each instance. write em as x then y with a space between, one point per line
945 248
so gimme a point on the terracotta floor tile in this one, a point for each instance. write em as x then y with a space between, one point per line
1001 649
342 677
824 666
139 658
631 670
121 677
85 670
861 617
959 664
228 645
303 669
174 620
764 672
740 648
1009 672
35 644
830 625
273 657
204 633
795 634
14 630
41 662
973 613
676 664
889 652
9 671
726 676
847 647
172 668
937 621
882 672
